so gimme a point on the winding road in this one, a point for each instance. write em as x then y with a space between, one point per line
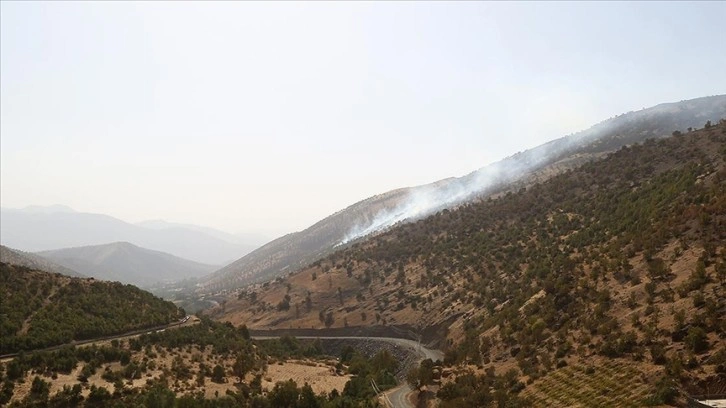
398 396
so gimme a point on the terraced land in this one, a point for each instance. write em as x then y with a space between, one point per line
607 383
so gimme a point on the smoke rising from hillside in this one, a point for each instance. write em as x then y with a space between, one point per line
382 212
426 200
658 121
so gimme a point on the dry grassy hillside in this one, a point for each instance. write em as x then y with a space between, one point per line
376 214
623 258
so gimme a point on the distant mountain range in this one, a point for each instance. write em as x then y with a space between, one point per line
247 240
19 258
127 263
379 213
39 228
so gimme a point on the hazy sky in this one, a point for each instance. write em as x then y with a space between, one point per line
266 117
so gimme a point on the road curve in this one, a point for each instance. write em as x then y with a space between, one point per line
423 351
399 395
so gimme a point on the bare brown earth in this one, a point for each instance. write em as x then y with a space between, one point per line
642 375
353 291
263 314
320 375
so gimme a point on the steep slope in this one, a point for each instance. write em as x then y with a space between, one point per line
378 213
298 249
40 309
622 258
32 261
127 263
45 228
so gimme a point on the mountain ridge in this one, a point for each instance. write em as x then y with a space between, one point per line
41 229
375 214
247 239
29 260
127 263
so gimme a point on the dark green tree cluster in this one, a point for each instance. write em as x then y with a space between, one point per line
287 347
223 338
484 390
381 368
40 309
357 393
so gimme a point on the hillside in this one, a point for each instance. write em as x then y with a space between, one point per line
379 213
41 309
298 249
46 228
203 364
623 258
32 261
127 263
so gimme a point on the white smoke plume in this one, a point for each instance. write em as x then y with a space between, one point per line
658 121
426 200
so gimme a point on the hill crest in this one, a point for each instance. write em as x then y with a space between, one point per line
378 213
19 258
127 263
43 229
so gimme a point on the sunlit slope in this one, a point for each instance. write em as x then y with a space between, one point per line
623 257
379 213
48 228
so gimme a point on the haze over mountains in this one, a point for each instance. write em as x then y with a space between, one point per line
380 212
38 228
127 263
247 240
33 261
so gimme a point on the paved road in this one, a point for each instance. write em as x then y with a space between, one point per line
399 395
133 333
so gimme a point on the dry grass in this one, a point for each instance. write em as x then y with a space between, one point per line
321 376
610 383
